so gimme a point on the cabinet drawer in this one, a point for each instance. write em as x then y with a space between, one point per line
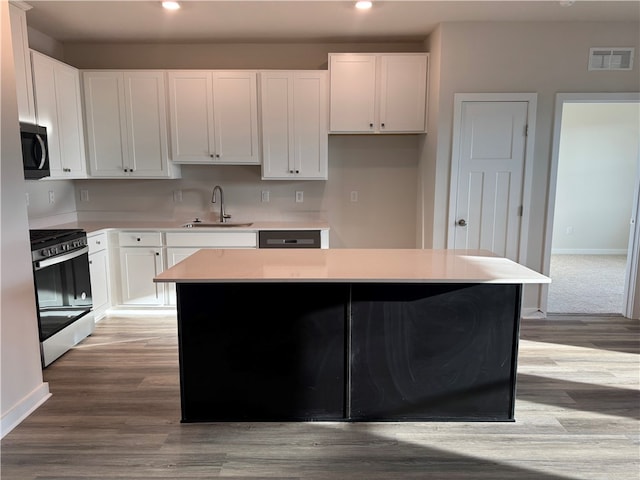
97 242
140 239
212 239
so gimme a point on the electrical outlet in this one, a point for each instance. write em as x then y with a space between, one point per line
299 196
27 195
177 196
52 197
265 196
84 195
354 196
569 230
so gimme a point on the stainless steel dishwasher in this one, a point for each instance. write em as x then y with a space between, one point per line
289 239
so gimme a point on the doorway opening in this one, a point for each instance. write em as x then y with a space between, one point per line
596 173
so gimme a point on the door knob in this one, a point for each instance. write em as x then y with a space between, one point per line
462 222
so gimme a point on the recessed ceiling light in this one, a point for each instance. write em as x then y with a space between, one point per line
363 5
171 5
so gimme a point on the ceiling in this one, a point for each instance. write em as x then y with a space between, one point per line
142 21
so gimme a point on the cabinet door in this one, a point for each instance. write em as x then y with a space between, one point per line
175 256
277 115
70 125
104 109
353 87
294 125
58 107
403 86
191 116
146 124
47 115
22 61
99 272
138 267
310 135
235 101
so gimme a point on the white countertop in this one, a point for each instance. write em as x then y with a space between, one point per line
177 225
349 265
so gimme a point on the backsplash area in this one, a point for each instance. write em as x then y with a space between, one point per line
381 170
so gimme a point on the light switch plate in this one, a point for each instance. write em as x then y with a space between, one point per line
299 196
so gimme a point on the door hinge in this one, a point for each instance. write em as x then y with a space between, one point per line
520 211
526 130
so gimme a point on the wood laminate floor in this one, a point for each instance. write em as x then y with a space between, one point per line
115 411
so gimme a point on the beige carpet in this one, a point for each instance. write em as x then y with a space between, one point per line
591 284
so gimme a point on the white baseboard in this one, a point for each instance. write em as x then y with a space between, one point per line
141 311
24 408
588 251
532 313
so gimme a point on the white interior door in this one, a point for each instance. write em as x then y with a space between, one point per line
487 186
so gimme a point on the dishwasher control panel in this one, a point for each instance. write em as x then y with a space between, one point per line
289 239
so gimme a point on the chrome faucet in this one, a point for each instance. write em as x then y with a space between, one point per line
223 215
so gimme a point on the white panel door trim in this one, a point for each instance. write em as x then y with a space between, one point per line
459 99
631 303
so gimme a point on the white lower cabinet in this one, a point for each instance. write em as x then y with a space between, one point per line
99 272
180 245
174 256
140 256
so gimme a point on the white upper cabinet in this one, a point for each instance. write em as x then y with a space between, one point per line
378 92
213 117
59 108
127 124
294 125
22 61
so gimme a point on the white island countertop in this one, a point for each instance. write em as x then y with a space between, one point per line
349 265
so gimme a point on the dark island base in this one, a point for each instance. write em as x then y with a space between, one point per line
347 352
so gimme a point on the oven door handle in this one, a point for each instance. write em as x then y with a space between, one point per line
60 258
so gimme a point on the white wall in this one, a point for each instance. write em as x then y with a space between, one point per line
40 210
21 385
543 58
597 174
488 57
382 169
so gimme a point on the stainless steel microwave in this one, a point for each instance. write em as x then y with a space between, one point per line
35 151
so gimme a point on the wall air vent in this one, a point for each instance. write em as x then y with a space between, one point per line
611 58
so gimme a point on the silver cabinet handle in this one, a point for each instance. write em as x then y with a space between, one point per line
43 149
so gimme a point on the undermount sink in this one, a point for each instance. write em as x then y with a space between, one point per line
216 224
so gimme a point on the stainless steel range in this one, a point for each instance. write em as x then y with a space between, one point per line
63 289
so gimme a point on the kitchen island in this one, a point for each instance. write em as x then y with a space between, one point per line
353 335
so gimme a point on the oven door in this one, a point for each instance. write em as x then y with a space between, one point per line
63 290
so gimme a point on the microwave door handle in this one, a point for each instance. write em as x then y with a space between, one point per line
59 259
43 149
